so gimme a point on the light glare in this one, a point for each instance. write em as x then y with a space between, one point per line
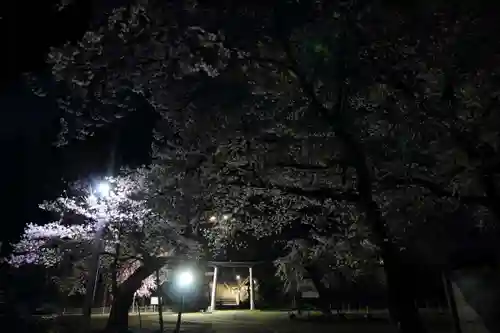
103 189
185 279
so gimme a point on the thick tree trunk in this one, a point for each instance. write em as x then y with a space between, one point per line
402 308
401 305
118 317
160 300
114 283
323 292
114 271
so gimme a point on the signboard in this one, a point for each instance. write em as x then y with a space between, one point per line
307 289
154 300
310 294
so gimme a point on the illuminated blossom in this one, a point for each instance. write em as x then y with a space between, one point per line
129 230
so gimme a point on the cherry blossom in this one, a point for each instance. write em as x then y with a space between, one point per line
130 231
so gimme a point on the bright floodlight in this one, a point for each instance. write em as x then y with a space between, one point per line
225 217
185 279
92 199
212 218
237 277
103 189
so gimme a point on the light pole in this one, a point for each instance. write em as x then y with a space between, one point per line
184 280
102 190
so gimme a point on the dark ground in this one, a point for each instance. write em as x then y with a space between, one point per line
261 322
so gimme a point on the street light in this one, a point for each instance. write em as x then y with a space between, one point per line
183 281
237 277
213 218
102 190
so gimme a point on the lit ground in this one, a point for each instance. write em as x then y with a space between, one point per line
251 322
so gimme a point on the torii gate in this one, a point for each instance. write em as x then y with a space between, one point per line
217 264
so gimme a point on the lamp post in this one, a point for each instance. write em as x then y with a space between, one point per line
102 190
183 281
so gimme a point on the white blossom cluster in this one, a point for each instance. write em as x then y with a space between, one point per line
38 244
123 219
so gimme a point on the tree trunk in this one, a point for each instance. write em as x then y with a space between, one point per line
401 305
323 292
118 317
160 300
402 308
114 271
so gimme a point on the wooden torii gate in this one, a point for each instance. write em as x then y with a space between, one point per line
232 264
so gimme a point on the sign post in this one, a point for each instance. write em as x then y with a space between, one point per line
154 302
307 289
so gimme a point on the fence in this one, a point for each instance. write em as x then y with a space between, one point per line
348 307
105 310
359 308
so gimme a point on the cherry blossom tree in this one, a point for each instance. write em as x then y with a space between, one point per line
136 240
270 68
326 240
445 82
299 107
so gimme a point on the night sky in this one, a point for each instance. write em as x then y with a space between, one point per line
30 163
33 169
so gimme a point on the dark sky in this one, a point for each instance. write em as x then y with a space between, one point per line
33 169
29 162
30 165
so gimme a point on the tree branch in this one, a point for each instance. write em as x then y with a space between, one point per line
318 193
122 258
330 164
277 63
434 188
353 150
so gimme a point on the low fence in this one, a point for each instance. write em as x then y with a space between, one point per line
350 307
106 310
422 306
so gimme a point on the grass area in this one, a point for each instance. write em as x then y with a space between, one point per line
242 321
219 318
